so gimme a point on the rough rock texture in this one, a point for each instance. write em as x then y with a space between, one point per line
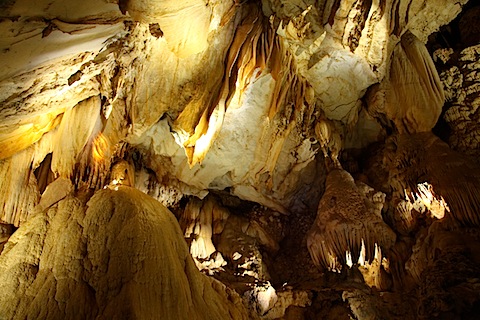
345 46
455 51
6 231
269 72
462 89
276 131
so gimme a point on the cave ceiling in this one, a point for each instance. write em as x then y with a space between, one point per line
331 133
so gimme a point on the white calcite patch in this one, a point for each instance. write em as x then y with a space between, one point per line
240 153
339 79
26 45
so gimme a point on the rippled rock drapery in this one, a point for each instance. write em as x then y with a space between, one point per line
227 112
411 97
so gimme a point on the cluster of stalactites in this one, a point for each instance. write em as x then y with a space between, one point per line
76 149
201 221
215 236
67 127
433 178
349 225
255 50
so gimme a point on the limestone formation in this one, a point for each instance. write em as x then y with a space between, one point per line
348 227
121 254
411 97
425 167
201 221
461 86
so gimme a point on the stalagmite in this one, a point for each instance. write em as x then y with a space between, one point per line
123 257
348 227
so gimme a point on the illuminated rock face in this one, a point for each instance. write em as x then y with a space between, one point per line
290 138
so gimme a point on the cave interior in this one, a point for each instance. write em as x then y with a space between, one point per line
254 159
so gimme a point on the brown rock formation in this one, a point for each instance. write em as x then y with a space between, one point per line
121 254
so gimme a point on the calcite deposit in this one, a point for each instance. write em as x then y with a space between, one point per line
120 254
274 159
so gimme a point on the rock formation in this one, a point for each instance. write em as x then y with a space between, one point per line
274 159
120 254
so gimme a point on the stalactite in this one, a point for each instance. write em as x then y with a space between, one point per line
424 158
346 222
201 221
411 96
18 184
76 129
255 50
